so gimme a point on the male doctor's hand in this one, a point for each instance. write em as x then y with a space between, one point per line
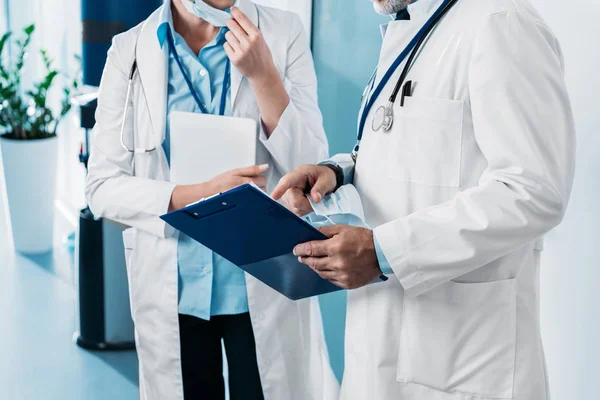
347 259
292 187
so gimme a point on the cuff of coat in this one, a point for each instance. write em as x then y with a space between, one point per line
392 240
384 265
346 163
279 138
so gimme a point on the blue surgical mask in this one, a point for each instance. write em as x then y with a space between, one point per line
212 15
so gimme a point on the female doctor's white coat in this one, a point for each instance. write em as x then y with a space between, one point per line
477 167
135 190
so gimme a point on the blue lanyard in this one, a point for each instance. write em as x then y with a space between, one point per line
189 82
395 65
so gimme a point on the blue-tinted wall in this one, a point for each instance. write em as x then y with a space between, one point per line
346 42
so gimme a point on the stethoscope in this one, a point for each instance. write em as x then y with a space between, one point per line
384 115
201 106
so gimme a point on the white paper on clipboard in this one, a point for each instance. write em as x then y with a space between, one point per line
204 146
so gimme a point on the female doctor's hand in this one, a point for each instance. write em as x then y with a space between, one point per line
347 259
237 177
187 194
292 187
247 49
250 54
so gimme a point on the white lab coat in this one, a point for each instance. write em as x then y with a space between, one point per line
135 190
477 168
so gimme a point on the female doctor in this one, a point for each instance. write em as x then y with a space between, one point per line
248 61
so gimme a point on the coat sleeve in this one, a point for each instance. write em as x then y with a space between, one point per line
299 138
111 189
524 127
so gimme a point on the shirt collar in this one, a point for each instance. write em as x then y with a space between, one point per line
165 22
422 9
418 10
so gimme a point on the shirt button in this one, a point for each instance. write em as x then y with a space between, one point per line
202 72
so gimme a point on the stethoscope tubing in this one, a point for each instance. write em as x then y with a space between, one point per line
134 69
418 46
413 48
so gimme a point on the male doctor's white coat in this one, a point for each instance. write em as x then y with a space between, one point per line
477 167
135 190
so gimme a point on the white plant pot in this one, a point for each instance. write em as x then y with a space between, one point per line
30 175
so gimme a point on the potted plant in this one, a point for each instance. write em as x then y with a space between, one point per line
28 146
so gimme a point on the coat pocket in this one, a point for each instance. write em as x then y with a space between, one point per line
129 239
426 143
461 338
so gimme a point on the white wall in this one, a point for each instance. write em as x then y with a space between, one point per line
58 30
570 277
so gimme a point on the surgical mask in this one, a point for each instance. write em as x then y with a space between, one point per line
212 15
341 207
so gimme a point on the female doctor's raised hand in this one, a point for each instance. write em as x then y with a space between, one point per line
250 54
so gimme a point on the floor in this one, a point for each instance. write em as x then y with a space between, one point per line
38 358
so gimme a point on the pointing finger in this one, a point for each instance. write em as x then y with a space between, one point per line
293 179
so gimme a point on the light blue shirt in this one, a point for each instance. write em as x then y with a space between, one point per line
208 284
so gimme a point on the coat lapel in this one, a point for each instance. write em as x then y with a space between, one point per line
153 70
248 8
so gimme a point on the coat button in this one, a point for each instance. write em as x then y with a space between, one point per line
202 72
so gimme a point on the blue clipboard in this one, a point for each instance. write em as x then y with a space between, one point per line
254 232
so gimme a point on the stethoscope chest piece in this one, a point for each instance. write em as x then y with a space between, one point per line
383 118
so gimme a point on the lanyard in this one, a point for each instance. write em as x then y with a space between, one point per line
372 98
189 82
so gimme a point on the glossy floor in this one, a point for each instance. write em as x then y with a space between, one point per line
38 358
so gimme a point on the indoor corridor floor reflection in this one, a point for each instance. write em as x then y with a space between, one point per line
38 357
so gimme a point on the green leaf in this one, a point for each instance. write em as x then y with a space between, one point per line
47 59
3 41
29 29
14 113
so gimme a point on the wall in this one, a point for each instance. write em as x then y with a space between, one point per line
570 310
346 45
346 40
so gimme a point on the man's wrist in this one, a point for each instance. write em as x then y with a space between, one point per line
339 174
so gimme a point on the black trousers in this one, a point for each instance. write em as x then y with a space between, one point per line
202 358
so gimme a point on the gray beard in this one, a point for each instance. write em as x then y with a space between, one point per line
388 7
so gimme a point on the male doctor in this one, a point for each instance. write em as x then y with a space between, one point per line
476 168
